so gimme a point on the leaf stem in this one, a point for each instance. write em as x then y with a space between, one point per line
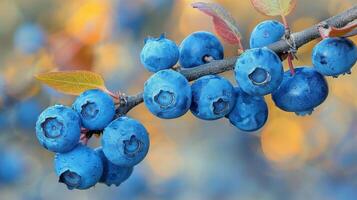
240 47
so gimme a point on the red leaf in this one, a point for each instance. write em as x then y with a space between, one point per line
331 31
224 24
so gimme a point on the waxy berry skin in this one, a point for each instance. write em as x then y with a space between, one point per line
302 92
112 174
96 109
159 53
58 128
212 97
334 56
125 142
167 94
250 113
259 71
80 168
265 33
195 47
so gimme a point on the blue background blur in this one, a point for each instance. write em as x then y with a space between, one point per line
292 157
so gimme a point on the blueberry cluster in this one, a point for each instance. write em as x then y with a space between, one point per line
168 94
125 141
258 71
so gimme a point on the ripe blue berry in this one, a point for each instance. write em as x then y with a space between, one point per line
113 174
265 33
58 128
29 38
96 109
12 166
27 112
212 97
259 71
80 168
125 142
5 122
334 56
302 92
195 47
249 113
159 53
167 94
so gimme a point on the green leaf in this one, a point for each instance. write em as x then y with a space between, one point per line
274 7
72 82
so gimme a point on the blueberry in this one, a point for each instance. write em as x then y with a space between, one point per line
249 113
12 166
80 168
334 56
58 128
27 112
258 71
129 17
125 142
212 97
167 94
113 174
159 53
29 38
302 92
265 33
195 47
96 109
4 121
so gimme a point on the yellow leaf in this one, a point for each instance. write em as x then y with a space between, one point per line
274 7
72 82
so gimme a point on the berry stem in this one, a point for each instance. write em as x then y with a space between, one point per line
240 47
287 38
116 97
208 59
291 64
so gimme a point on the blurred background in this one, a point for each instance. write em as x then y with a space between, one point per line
313 157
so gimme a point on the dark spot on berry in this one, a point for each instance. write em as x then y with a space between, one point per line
165 98
220 106
52 127
323 60
71 179
89 110
132 146
259 76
